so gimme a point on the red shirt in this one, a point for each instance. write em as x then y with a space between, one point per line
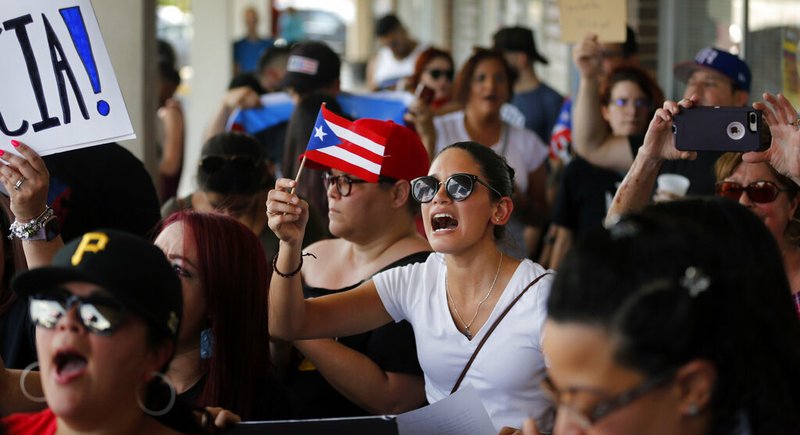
43 422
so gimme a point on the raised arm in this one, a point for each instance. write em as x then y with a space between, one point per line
361 380
291 317
591 136
27 180
636 188
784 125
241 97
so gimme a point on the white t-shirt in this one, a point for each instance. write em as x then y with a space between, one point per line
389 68
510 366
524 152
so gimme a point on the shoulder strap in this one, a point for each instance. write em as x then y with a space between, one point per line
491 329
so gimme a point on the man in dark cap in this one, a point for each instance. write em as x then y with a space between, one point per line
535 99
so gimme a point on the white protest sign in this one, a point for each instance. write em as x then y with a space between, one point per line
57 86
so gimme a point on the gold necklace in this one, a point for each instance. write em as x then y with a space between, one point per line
466 332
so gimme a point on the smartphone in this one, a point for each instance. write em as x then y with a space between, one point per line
425 93
706 128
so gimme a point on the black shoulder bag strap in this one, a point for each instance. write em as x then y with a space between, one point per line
491 329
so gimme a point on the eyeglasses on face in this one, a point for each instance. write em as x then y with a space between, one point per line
344 183
587 418
212 164
761 192
436 73
639 103
99 314
457 186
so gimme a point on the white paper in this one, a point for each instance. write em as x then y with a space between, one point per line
43 42
460 413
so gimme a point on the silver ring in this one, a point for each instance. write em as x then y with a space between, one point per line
18 184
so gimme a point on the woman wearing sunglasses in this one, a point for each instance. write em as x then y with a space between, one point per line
105 333
434 70
484 84
468 291
674 321
773 198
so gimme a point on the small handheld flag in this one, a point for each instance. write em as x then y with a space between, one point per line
339 144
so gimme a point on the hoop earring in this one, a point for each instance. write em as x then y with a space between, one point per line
170 404
25 392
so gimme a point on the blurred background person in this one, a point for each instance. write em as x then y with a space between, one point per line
232 178
247 50
169 132
629 97
396 56
290 26
538 102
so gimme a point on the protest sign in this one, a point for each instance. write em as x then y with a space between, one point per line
58 90
605 18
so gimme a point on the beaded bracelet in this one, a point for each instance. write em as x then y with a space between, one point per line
292 273
31 230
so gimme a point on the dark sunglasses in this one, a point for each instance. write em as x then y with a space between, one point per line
436 73
100 315
457 186
344 183
591 416
212 164
761 192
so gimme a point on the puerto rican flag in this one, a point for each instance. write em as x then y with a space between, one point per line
339 144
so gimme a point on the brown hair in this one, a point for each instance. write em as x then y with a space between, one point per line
634 74
728 162
464 78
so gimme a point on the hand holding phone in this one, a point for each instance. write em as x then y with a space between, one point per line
425 93
739 129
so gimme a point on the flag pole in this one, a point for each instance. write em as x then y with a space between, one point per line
299 172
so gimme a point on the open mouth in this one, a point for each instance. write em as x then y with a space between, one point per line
443 222
69 365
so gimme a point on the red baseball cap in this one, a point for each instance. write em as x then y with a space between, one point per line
404 157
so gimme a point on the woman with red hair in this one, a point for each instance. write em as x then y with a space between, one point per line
222 356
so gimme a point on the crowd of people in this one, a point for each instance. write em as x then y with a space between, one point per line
557 285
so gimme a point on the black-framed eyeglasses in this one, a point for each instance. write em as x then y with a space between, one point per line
344 183
762 192
457 186
436 73
99 314
589 417
212 164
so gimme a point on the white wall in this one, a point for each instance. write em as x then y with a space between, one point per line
129 35
210 56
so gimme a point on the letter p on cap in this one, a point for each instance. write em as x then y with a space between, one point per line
91 242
